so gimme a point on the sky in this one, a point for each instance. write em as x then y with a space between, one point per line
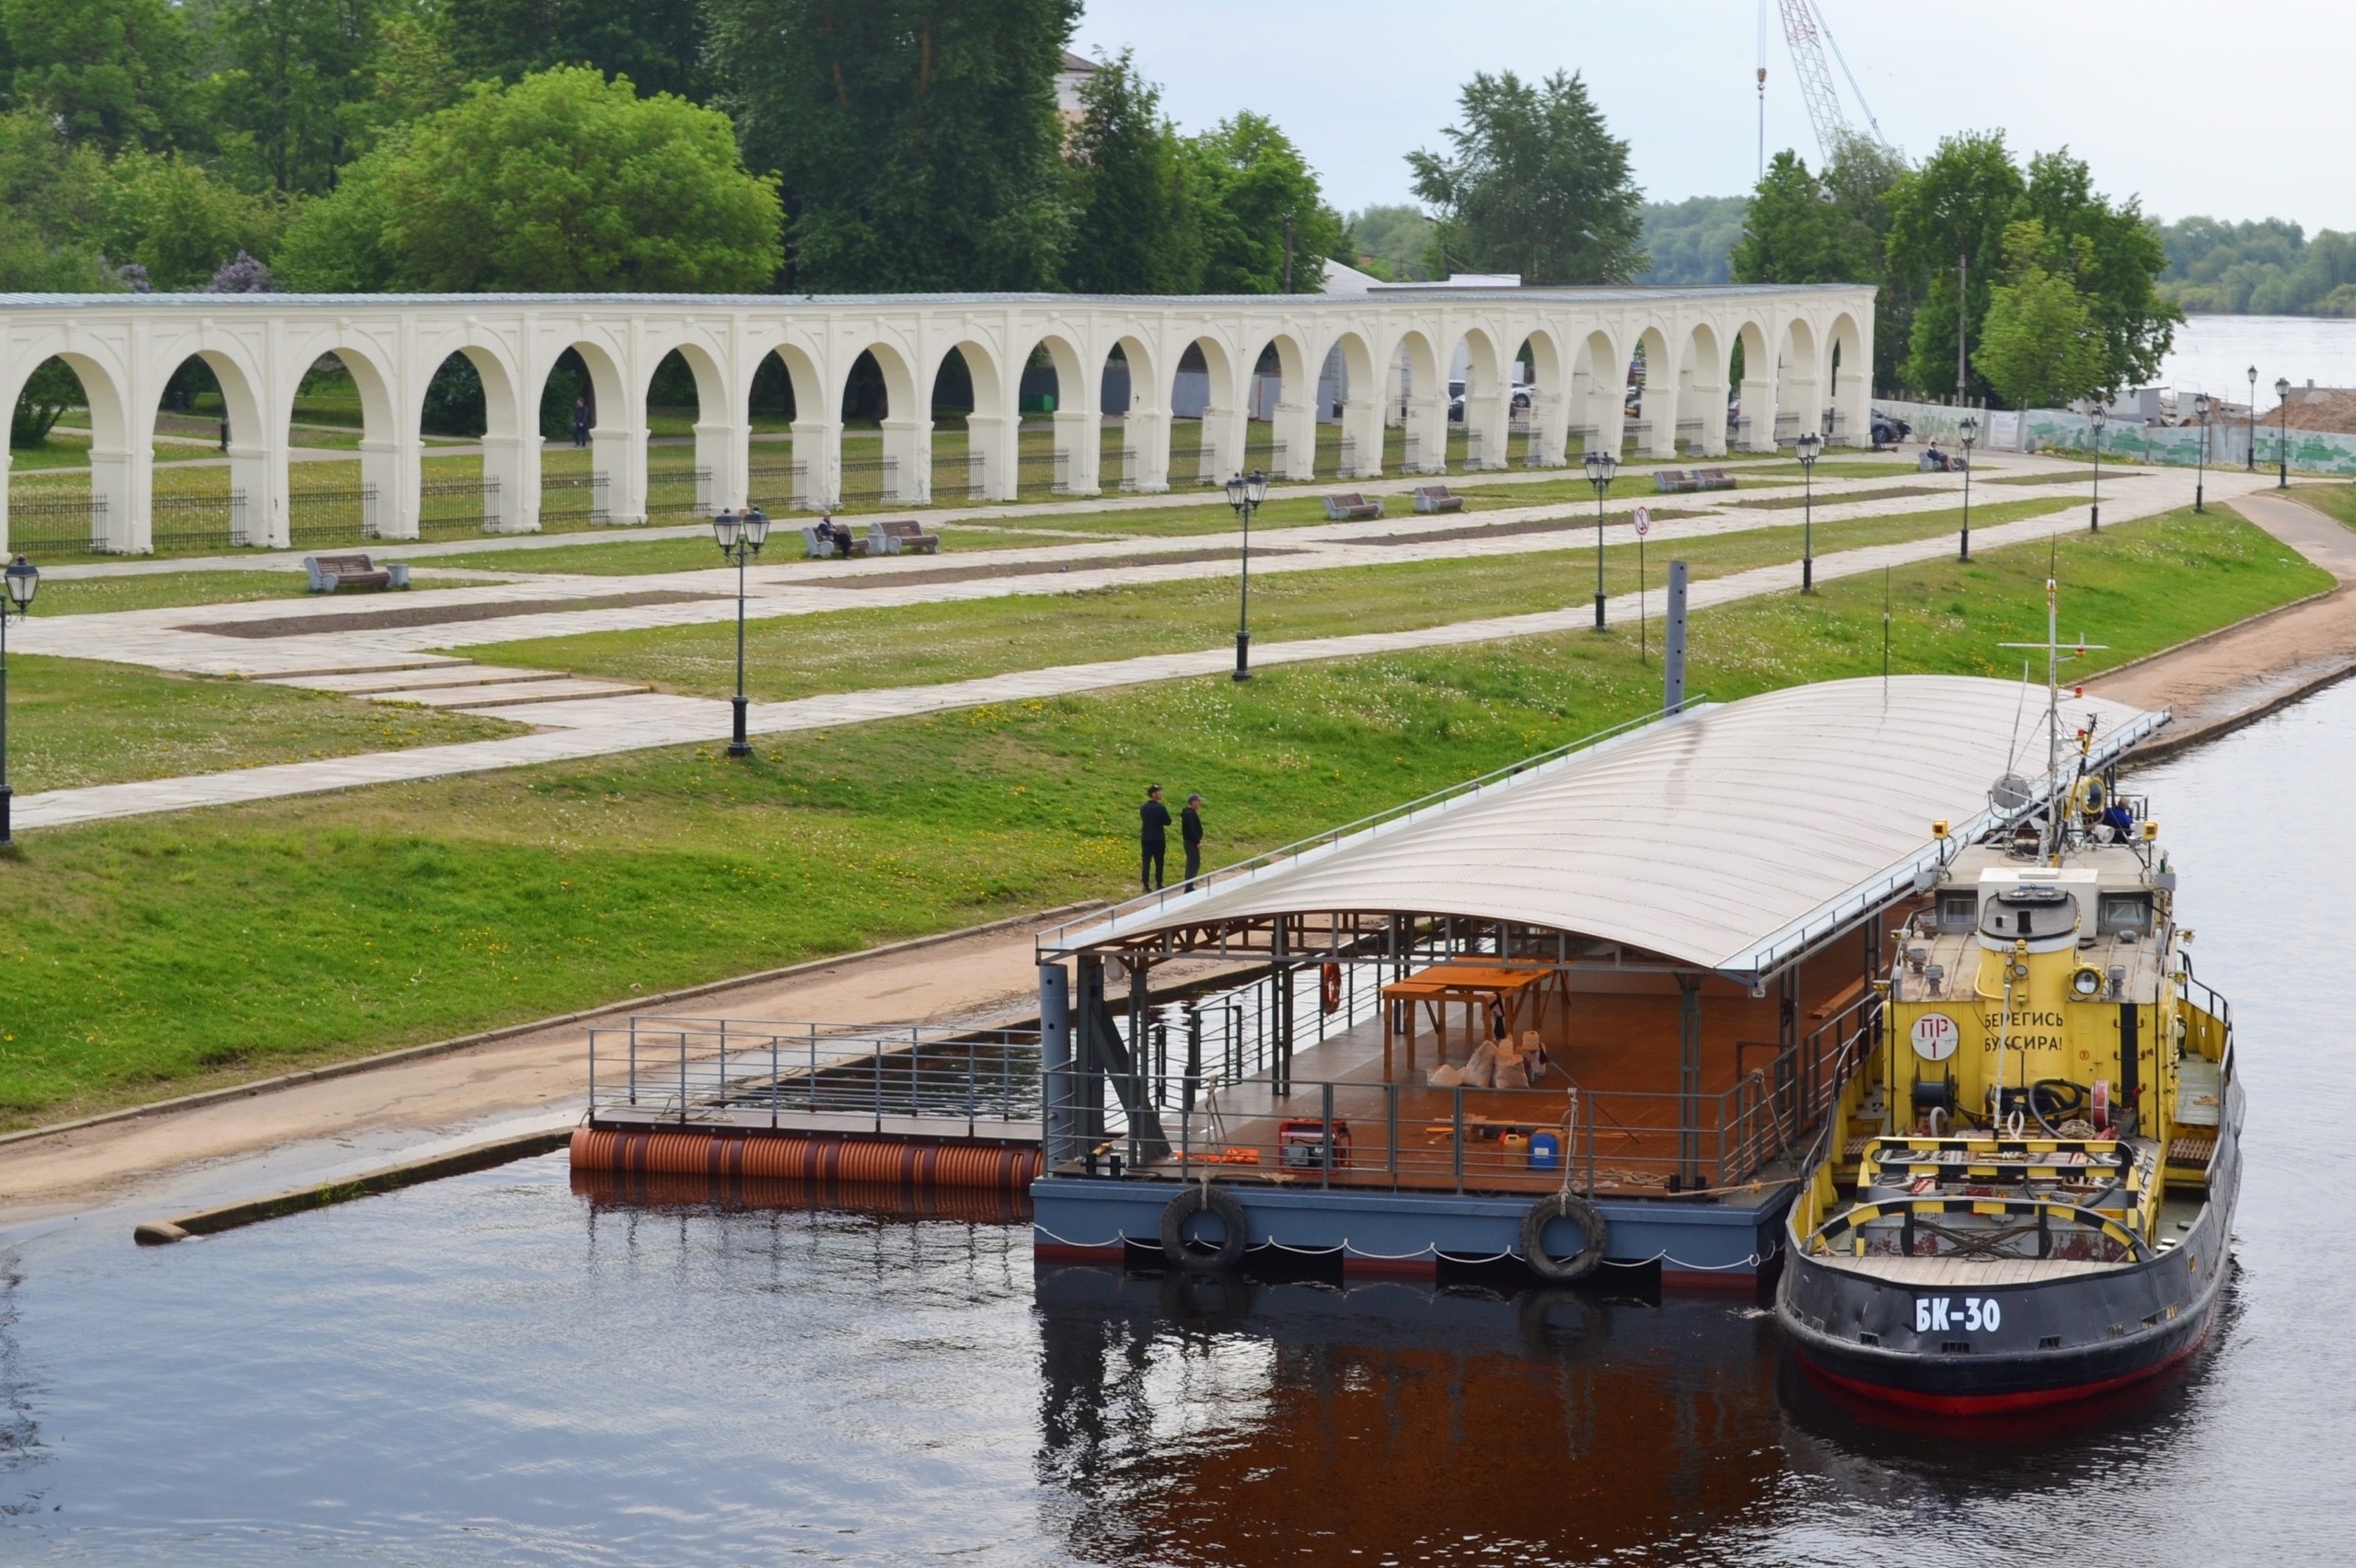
2237 110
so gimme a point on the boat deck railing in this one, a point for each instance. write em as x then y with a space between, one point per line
748 1075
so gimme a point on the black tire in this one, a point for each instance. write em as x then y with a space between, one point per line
1535 1221
1201 1197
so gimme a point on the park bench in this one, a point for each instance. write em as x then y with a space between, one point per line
1713 479
1435 498
1674 481
329 573
901 536
815 549
1351 508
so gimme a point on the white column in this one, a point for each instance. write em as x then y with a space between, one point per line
1427 431
1550 429
1708 399
1488 415
1144 437
1660 411
1079 443
1295 430
723 450
907 446
818 453
617 451
1362 435
1852 395
1757 402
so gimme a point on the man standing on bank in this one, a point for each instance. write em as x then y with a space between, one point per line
1153 819
1189 834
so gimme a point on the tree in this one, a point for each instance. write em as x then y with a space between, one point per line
919 144
165 212
1955 208
1393 242
1263 214
51 195
1136 222
2117 267
49 390
302 85
1833 228
1690 241
114 73
1536 185
2042 344
563 181
658 44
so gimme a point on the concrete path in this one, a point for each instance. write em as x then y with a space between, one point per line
610 725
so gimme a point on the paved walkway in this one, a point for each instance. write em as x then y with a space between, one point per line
601 726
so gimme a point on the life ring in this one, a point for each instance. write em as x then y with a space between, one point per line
1544 1212
1329 989
1201 1197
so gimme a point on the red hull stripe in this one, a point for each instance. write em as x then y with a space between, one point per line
1996 1404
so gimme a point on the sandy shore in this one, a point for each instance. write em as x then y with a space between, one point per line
420 1107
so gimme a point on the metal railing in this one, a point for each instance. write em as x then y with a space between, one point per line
457 506
762 487
331 514
746 1074
49 522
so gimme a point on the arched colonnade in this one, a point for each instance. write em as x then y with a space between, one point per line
1806 351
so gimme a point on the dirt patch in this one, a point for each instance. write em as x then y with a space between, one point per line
441 615
1507 530
1032 569
1845 498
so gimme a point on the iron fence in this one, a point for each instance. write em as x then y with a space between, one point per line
331 514
449 507
54 523
779 487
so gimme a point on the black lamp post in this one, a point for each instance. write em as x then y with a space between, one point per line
1969 430
2252 419
1601 465
2201 452
2282 439
1246 493
2101 418
23 579
740 536
1808 445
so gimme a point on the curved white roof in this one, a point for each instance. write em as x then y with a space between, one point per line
1727 837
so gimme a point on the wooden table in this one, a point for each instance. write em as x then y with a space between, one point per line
1472 984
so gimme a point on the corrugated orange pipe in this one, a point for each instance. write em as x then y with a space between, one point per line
892 1162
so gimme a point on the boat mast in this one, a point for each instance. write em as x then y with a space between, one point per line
2052 727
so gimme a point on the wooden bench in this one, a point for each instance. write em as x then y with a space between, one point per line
901 536
1435 498
815 549
1351 508
329 573
1674 481
1713 479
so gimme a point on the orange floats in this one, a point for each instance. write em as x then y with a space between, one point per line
899 1163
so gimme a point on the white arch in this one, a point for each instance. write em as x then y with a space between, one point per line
1757 431
1599 392
1851 383
1701 391
1657 411
1798 402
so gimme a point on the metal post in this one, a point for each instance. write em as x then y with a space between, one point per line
810 1078
1193 1054
1325 1162
1673 642
738 745
1391 1130
777 1084
683 1077
633 1060
1601 486
593 1073
1459 1092
1689 1082
6 794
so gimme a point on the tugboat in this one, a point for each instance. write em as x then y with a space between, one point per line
2027 1195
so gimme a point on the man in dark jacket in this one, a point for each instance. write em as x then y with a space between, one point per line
581 422
1189 834
1153 819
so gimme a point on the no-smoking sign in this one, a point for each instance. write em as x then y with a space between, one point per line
1643 520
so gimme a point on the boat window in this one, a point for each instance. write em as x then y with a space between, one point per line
2029 912
1958 911
2124 912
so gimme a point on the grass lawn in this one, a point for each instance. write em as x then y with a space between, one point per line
163 590
60 449
613 557
2333 501
863 649
76 721
247 940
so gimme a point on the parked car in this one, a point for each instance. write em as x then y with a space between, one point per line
1889 430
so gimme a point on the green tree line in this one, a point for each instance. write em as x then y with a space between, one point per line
2269 268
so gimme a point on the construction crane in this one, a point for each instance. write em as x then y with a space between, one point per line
1805 32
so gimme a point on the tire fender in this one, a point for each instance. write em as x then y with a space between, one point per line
1593 1233
1201 1197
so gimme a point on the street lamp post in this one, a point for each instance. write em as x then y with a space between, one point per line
1599 466
23 577
2283 436
1969 430
740 536
1808 445
2252 419
1246 493
2201 452
2094 519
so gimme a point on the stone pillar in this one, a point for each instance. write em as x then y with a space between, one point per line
1757 403
1295 430
1428 434
907 446
1223 432
1852 397
1080 447
257 474
618 455
725 452
1488 426
818 453
1145 435
1659 408
1796 400
511 463
1550 429
1707 399
1362 438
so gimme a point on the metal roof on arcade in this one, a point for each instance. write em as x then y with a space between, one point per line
1729 837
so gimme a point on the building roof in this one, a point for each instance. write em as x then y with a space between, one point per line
1730 837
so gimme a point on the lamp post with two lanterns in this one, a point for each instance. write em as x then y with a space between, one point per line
1967 432
2283 436
1809 447
1247 493
2101 418
1600 468
2252 419
740 536
23 577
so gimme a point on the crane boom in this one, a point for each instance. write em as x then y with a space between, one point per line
1807 35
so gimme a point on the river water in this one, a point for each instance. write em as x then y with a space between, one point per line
501 1368
2215 353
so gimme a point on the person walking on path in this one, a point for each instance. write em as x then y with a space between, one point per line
1153 827
581 422
1189 834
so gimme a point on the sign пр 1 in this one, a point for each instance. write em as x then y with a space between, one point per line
1935 1037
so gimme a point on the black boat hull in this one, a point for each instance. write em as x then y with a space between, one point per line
1986 1348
